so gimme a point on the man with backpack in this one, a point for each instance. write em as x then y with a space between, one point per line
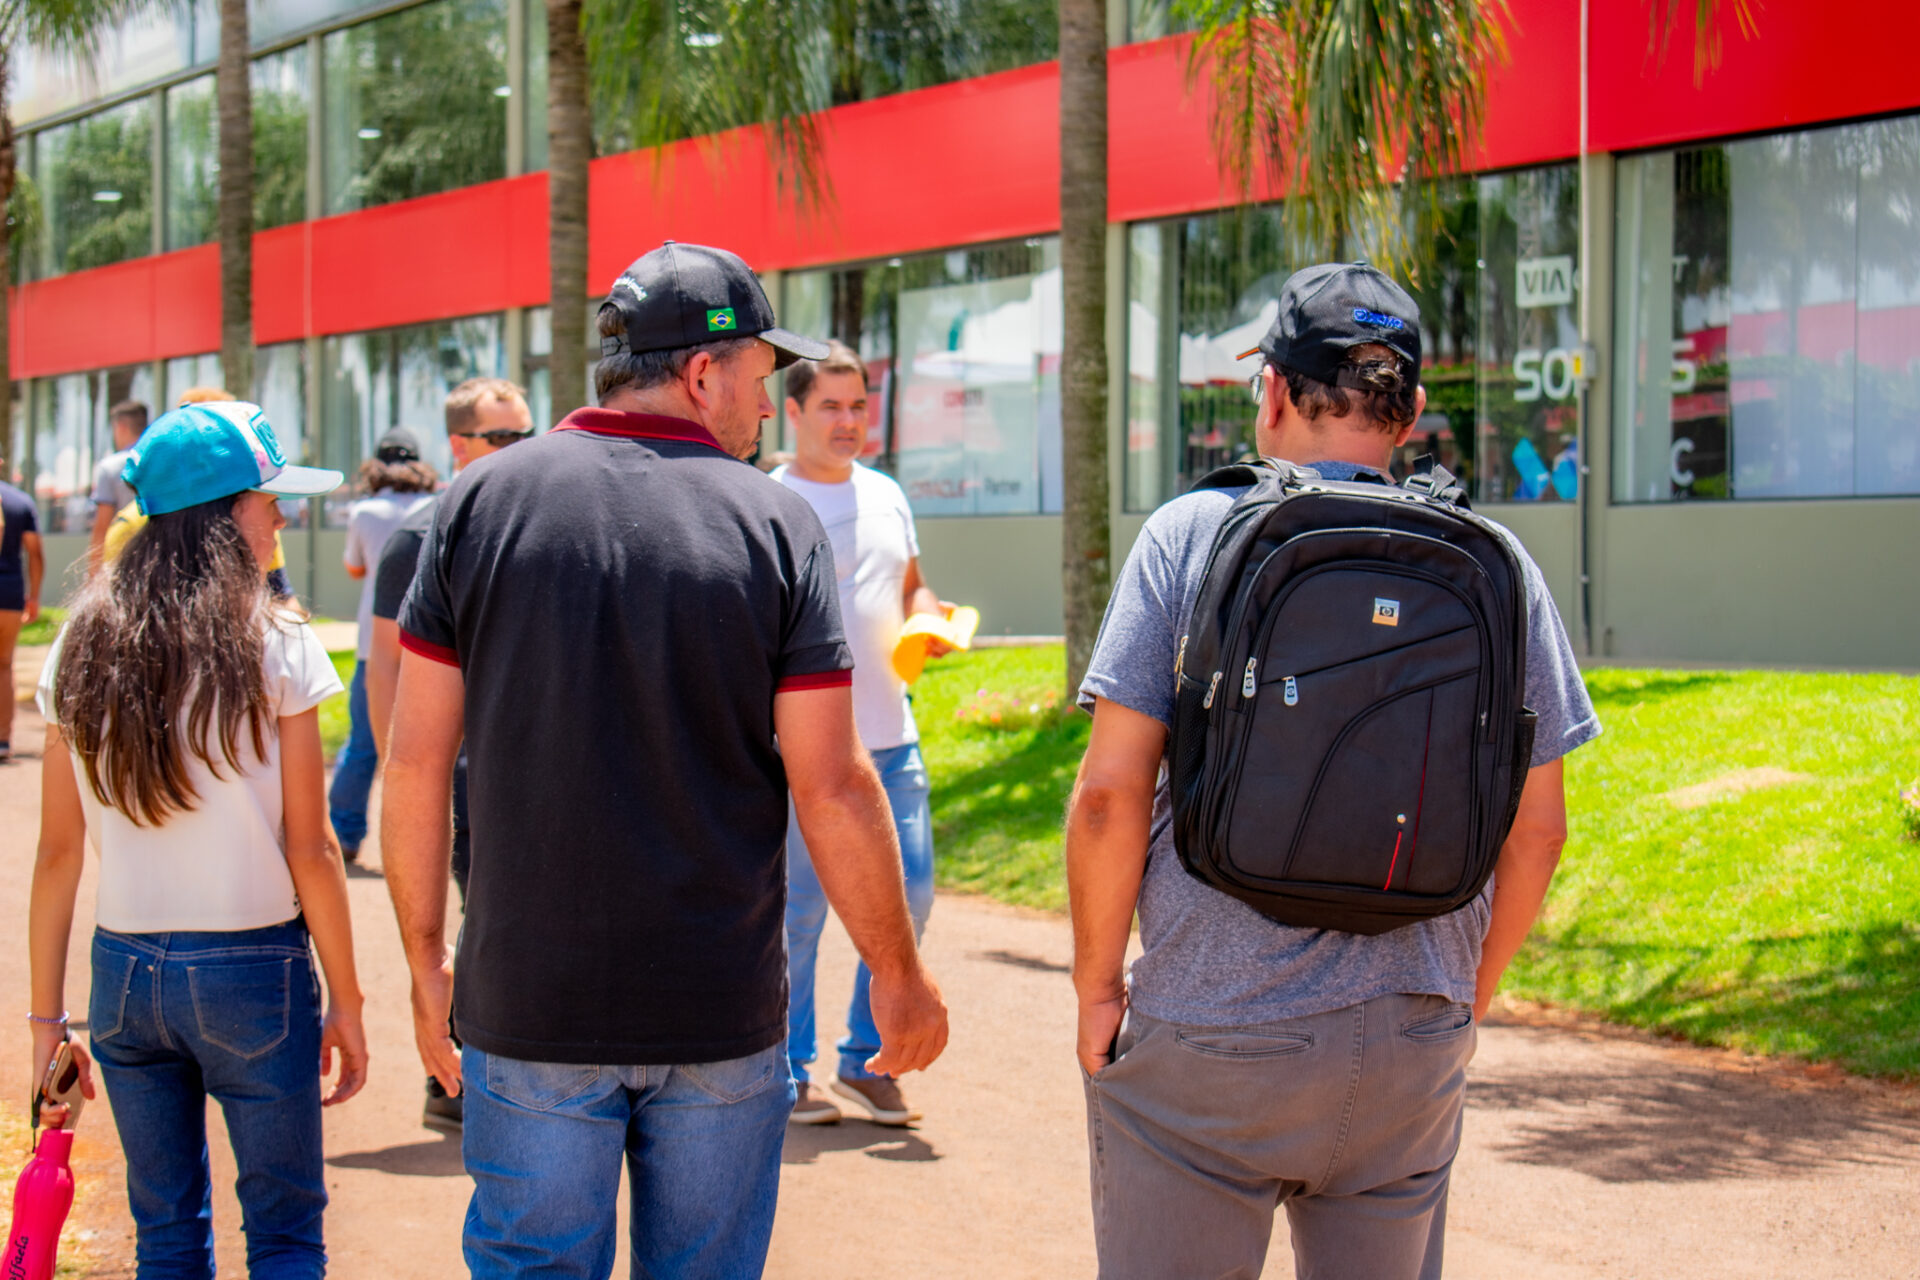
1313 698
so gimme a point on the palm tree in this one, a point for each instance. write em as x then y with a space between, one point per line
569 150
63 26
233 84
1086 537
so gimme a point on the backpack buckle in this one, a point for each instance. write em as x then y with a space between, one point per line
1435 481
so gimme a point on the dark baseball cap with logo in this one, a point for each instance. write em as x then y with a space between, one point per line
1326 311
683 295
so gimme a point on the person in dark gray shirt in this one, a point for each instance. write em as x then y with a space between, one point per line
1262 1064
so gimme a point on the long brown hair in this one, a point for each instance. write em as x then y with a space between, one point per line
163 653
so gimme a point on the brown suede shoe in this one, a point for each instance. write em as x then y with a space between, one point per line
880 1098
811 1106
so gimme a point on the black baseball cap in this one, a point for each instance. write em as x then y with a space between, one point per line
1327 310
398 445
682 295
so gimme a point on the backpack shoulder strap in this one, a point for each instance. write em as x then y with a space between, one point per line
1253 470
1435 481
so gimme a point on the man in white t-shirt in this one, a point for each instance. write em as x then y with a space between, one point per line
877 561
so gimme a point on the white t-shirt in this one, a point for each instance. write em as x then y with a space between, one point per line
871 528
370 522
221 866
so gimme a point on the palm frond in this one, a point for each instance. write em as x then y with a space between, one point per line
675 69
1708 41
1353 106
65 26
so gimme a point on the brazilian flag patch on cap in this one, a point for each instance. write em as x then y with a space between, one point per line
720 319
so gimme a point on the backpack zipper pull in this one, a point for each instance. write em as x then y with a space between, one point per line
1180 659
1247 687
1292 692
1213 687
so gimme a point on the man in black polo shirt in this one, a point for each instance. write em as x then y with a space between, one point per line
626 616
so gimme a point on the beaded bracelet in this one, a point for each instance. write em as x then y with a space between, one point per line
60 1021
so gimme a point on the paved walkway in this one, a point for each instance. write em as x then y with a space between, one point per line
1588 1154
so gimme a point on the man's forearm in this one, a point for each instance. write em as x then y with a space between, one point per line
856 854
416 849
1521 878
1107 834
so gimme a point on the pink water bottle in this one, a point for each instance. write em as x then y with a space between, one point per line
40 1202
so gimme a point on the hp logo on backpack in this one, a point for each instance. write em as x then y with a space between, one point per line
1361 762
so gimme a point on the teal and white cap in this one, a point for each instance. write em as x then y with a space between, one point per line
200 452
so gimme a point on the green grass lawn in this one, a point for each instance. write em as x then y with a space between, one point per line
333 712
43 628
1783 919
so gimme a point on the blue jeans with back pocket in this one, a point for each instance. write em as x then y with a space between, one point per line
176 1018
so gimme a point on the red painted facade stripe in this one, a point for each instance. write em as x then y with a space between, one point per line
958 164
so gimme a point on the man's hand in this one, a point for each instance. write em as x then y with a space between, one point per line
433 1021
912 1018
32 611
1100 1019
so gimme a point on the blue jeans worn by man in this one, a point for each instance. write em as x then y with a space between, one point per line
545 1139
904 774
353 769
176 1018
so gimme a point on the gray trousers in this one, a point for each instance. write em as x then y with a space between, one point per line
1350 1119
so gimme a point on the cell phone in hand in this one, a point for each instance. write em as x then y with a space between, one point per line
62 1085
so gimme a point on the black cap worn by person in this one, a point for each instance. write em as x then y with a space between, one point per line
1327 310
398 445
683 295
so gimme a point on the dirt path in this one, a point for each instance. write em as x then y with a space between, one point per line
1587 1154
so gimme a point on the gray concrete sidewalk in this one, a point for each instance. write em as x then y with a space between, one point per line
1587 1154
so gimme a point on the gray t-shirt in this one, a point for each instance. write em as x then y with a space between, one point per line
370 522
1210 959
108 488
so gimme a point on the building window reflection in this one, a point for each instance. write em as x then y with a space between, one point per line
399 378
96 187
71 433
411 103
1768 296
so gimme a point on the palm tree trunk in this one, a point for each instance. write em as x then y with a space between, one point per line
235 87
7 155
569 148
1086 536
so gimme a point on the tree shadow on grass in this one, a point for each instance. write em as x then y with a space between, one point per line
1624 688
1845 996
1683 1123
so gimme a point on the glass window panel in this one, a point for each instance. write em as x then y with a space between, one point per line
72 432
400 377
410 103
1887 386
140 49
96 187
534 106
1526 407
184 373
1767 318
978 399
1152 381
193 163
282 92
857 306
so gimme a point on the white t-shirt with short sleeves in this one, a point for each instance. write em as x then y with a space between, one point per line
870 525
221 866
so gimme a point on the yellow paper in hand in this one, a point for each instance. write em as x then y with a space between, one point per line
956 630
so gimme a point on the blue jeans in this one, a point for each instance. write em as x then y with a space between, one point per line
904 775
178 1017
354 767
544 1141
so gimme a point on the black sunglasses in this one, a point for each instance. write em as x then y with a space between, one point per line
498 439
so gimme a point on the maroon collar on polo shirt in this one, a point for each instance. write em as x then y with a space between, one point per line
645 426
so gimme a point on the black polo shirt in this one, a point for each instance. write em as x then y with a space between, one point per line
624 599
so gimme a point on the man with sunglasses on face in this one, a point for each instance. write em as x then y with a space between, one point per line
484 416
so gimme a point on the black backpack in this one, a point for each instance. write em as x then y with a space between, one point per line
1348 740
